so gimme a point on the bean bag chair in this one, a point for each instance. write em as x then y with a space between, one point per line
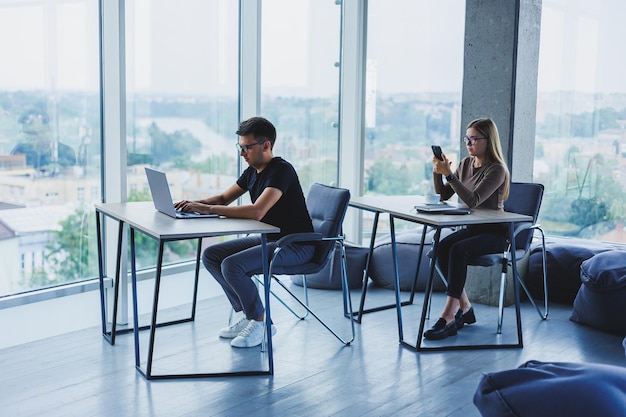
602 295
329 278
407 246
563 259
539 389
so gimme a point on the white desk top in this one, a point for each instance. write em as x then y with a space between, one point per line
403 207
143 216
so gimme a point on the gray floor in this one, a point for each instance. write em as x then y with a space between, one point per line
79 374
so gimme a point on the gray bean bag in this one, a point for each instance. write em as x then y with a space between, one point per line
563 258
602 295
539 389
408 245
329 278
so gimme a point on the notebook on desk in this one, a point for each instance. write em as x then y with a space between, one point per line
162 197
441 208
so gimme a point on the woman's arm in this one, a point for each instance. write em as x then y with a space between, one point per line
485 186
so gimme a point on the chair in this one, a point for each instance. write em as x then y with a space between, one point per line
327 207
524 198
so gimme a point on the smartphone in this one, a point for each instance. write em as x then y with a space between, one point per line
437 152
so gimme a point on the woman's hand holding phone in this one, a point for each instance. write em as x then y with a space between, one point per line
441 165
437 152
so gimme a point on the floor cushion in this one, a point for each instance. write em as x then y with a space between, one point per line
407 245
329 278
602 296
563 258
539 389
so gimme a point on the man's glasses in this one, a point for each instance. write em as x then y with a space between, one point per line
244 148
471 140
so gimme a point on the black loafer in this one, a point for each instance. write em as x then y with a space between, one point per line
441 330
463 319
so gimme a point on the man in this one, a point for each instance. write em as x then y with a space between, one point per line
277 199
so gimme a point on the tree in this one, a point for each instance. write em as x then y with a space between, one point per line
71 252
387 179
167 146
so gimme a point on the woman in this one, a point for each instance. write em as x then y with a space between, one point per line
480 181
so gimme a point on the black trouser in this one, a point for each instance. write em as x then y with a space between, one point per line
455 252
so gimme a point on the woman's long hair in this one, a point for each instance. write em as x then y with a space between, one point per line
488 129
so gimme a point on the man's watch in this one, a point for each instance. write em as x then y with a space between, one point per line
450 177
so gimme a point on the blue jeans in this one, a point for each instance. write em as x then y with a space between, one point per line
234 262
455 251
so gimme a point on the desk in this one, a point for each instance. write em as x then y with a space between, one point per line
142 217
401 207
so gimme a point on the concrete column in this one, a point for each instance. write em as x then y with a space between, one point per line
500 75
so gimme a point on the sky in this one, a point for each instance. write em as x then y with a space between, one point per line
580 45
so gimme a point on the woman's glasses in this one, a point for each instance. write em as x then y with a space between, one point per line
471 140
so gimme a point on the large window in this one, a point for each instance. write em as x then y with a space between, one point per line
300 84
580 148
182 101
49 142
414 76
413 91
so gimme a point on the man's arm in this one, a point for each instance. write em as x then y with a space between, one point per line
255 211
219 204
202 206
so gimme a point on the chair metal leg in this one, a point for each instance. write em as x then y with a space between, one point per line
322 322
347 302
543 314
280 300
545 273
505 264
345 289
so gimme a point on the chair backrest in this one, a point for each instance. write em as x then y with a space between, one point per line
327 207
524 198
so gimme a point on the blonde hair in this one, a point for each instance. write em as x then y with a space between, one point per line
488 129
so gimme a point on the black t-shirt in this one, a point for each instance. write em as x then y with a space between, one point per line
290 212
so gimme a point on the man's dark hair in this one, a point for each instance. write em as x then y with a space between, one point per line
259 127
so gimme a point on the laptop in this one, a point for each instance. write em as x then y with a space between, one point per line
162 198
441 208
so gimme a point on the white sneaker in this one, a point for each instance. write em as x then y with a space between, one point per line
234 329
252 335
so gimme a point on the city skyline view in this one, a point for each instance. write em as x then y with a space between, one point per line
182 107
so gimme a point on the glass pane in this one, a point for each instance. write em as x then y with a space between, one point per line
49 142
182 105
414 80
580 148
300 84
413 91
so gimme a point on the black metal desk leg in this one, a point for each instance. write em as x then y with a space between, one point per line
419 263
367 267
427 291
133 269
155 309
196 277
394 253
118 272
103 315
516 286
362 310
109 336
268 316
